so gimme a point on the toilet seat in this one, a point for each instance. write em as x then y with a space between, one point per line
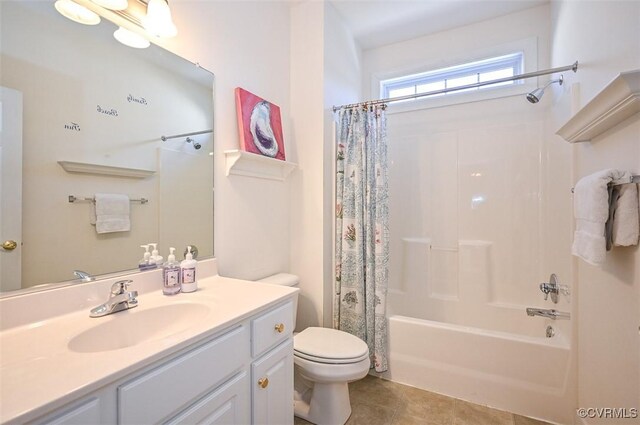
330 346
329 361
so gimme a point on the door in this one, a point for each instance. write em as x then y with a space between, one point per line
10 189
272 386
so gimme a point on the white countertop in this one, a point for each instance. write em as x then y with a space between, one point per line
39 373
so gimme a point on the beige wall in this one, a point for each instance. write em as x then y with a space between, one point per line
325 71
245 44
605 38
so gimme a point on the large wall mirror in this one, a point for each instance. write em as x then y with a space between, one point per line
83 115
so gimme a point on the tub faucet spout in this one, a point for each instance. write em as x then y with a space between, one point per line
549 314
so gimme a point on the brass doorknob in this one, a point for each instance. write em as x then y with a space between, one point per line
279 327
9 245
263 382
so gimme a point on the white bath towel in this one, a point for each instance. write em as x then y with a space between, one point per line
626 220
112 213
591 210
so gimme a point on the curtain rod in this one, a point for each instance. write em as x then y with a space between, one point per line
573 67
193 133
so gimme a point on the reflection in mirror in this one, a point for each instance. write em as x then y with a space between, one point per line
73 96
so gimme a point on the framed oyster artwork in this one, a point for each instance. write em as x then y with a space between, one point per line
259 125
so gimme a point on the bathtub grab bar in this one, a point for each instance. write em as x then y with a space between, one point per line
549 314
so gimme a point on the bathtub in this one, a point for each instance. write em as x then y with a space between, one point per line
523 374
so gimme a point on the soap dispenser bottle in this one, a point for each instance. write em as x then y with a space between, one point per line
145 263
171 274
188 273
155 258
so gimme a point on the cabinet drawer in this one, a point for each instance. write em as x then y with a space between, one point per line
171 387
271 328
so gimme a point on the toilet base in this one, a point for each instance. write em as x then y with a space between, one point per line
324 404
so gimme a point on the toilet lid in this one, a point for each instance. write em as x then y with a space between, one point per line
329 344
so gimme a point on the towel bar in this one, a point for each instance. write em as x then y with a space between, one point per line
73 199
634 179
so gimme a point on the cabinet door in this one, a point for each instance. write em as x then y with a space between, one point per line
272 386
177 383
227 405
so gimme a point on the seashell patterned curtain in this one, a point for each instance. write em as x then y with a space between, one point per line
362 228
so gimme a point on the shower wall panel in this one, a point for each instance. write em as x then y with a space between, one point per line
466 213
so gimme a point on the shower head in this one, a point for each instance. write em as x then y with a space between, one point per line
536 95
196 145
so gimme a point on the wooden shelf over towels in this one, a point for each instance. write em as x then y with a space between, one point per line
106 170
619 100
248 164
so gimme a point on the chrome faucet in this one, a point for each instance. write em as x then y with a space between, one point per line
554 288
83 276
119 299
549 314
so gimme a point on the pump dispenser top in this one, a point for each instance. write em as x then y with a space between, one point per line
145 263
155 257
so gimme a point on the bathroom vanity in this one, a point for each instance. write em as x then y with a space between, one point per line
223 354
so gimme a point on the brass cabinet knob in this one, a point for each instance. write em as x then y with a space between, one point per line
279 327
9 245
263 382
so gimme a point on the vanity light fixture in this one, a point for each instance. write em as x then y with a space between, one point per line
158 20
77 13
112 4
131 39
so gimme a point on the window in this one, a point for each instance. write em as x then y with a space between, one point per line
455 76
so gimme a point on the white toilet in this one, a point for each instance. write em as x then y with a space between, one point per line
325 360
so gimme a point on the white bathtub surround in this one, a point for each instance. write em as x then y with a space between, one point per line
591 210
362 228
626 221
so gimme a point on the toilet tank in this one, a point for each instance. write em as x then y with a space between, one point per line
285 279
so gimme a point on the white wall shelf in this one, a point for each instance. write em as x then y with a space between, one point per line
619 100
241 163
106 170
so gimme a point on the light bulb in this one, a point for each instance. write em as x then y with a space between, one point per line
77 13
158 19
131 39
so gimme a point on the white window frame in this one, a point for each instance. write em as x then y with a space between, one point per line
514 61
529 46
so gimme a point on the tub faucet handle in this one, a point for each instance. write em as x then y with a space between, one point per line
554 288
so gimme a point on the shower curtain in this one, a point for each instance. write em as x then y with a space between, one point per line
362 228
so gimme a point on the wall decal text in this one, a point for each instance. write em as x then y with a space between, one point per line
72 126
109 111
140 100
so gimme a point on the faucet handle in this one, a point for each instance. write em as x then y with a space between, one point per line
544 287
120 287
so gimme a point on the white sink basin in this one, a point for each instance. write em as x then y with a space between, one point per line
131 327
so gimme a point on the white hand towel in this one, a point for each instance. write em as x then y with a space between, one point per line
626 221
591 210
112 213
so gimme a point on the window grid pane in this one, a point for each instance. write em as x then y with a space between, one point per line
456 76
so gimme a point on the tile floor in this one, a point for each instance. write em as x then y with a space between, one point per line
375 401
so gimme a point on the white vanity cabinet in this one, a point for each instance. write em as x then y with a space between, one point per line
242 375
